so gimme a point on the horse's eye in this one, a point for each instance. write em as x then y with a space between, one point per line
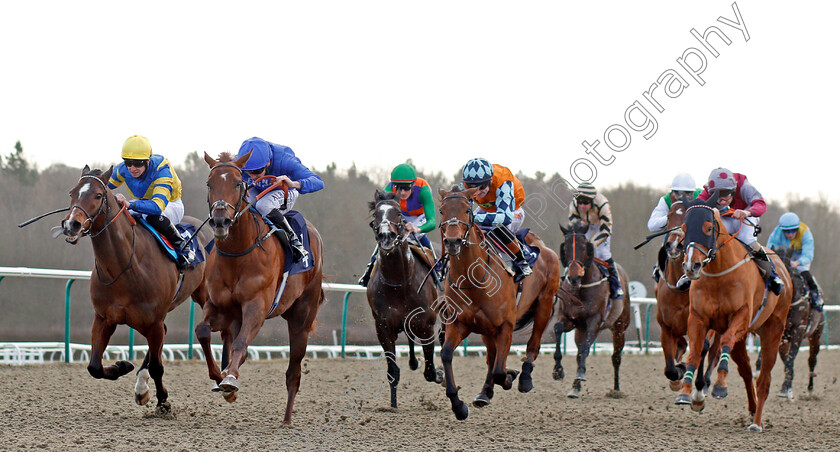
99 196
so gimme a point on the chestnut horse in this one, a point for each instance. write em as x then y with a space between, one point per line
399 294
585 306
796 330
672 307
730 299
480 297
244 274
133 283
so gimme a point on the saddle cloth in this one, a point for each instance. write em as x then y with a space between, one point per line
186 229
298 224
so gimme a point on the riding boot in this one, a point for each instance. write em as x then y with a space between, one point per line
656 273
768 270
162 224
816 302
616 291
279 220
365 279
521 266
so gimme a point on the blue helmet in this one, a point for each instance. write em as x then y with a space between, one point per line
477 170
789 221
260 153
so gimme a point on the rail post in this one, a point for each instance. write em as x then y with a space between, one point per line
190 331
67 357
344 323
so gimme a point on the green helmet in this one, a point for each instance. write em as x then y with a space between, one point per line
403 174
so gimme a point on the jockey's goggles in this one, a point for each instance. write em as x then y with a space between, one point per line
402 187
790 231
254 172
136 163
725 193
582 200
480 185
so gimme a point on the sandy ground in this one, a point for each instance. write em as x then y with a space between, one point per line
343 405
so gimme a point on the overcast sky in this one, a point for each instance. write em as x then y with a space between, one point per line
523 84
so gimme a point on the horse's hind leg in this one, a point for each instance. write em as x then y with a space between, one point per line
455 332
542 315
429 372
771 336
203 333
412 360
486 394
669 350
101 333
559 329
618 347
787 352
142 394
814 343
712 352
155 337
742 360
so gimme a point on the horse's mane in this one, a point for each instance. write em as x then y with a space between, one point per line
225 157
95 172
457 188
382 196
577 225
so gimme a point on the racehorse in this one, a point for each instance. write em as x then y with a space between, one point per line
731 299
672 306
796 330
480 296
585 306
133 283
244 275
399 294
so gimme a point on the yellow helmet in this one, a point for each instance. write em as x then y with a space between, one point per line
137 147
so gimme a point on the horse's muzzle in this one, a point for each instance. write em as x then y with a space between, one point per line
220 226
692 270
453 246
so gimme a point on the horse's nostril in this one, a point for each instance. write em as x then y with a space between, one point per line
75 225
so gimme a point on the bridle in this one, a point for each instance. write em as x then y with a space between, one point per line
574 259
711 252
456 221
222 204
402 236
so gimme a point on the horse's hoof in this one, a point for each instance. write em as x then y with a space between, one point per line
124 367
755 428
613 394
461 411
558 374
229 384
786 394
511 376
143 399
675 385
526 384
412 364
163 408
698 406
481 401
439 377
720 392
230 397
682 399
216 388
581 376
574 394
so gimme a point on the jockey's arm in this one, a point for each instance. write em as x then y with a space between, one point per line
807 248
505 205
428 202
308 181
659 217
605 223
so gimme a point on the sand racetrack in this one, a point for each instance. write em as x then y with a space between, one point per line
343 405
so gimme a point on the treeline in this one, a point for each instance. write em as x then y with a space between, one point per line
32 309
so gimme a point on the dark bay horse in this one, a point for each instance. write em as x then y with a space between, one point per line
585 306
133 283
244 274
672 306
729 298
480 297
796 330
399 299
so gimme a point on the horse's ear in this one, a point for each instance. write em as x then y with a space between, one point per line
85 170
106 176
241 161
442 193
211 162
563 254
378 195
712 202
562 229
590 248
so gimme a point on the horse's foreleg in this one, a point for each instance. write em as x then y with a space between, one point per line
697 329
387 337
429 372
203 333
101 333
412 360
155 337
542 316
737 331
712 356
560 328
814 343
298 338
669 350
787 352
618 347
454 334
585 346
252 319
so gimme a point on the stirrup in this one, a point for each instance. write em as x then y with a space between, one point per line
298 251
655 275
775 284
683 283
522 270
618 294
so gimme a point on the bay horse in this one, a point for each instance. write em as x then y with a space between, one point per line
796 330
672 306
244 275
399 294
584 305
729 298
480 297
133 283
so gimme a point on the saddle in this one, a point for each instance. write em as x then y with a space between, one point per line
500 251
424 254
186 229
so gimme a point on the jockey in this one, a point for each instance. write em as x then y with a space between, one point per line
737 195
593 210
683 189
500 197
791 233
269 159
416 204
155 190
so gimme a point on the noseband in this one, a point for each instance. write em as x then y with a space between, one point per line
222 204
456 221
400 227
